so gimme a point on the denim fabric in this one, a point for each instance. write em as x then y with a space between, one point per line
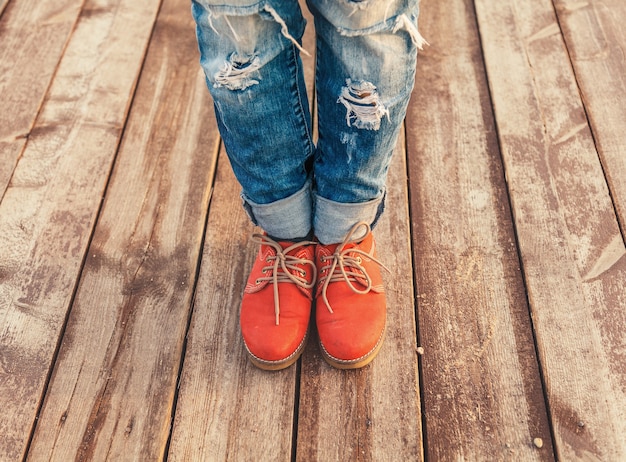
366 52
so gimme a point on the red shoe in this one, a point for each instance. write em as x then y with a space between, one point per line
350 301
276 304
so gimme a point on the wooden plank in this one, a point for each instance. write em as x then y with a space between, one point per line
228 409
596 42
33 35
48 211
3 5
570 242
482 390
112 391
370 413
374 412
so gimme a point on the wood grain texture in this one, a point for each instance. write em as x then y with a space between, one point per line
48 211
482 389
371 413
3 5
112 391
227 408
374 412
596 41
116 282
570 242
33 35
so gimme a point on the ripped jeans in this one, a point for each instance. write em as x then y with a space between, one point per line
365 69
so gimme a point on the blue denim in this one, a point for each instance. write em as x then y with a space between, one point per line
366 53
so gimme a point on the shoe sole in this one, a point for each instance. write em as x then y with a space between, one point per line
281 363
354 363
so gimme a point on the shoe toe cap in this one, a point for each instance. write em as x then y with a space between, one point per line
350 335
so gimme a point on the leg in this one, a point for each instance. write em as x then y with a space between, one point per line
250 56
366 54
366 68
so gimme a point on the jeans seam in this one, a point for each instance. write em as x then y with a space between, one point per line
300 108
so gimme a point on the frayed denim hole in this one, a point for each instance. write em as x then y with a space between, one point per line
364 108
358 4
238 72
241 71
403 22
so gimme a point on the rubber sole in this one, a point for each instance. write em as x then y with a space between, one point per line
280 364
355 363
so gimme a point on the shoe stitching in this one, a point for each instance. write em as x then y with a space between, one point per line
346 267
277 362
282 267
357 360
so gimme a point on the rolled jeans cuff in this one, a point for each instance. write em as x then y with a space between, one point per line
288 218
333 220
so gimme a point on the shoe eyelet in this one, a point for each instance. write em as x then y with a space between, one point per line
358 260
257 282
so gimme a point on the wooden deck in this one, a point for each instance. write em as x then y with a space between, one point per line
124 250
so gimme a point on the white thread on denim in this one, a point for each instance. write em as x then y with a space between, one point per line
284 30
236 73
363 106
350 141
210 21
403 21
232 29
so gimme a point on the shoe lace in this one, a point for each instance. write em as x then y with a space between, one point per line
345 266
284 267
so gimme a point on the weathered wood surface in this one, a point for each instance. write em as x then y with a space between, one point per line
3 4
94 314
569 239
250 413
371 413
47 212
125 335
227 409
595 36
481 385
33 35
376 417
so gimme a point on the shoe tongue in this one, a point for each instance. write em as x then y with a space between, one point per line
302 251
365 244
285 244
